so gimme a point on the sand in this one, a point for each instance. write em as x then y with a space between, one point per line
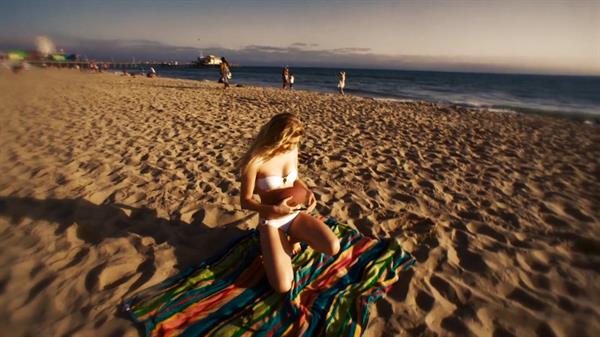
111 184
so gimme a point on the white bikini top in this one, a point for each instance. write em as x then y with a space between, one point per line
274 182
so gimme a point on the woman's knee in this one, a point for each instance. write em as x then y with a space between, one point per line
282 285
334 246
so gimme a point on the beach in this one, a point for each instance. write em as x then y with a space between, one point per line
111 184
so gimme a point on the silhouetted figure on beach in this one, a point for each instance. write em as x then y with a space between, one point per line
285 74
152 73
225 73
341 82
19 67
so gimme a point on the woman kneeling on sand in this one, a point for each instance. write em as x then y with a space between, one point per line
271 163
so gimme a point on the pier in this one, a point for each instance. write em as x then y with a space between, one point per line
114 65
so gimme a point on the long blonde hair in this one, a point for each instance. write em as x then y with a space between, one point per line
274 137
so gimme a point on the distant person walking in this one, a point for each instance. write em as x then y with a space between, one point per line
152 73
341 82
285 76
225 73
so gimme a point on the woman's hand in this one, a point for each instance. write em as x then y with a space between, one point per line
312 202
284 209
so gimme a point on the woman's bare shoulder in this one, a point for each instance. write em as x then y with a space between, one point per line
251 168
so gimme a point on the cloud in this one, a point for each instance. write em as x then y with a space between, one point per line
350 50
300 45
266 49
303 45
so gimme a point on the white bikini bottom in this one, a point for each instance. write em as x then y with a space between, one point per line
283 223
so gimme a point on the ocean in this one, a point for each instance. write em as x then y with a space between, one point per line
569 96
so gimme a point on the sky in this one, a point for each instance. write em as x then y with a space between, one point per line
528 36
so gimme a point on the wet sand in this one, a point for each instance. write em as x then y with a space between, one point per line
111 184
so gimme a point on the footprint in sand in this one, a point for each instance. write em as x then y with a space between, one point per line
577 214
424 301
527 300
91 278
445 289
544 330
501 332
466 259
487 231
405 198
39 287
454 325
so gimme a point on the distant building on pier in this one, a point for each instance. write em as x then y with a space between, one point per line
208 61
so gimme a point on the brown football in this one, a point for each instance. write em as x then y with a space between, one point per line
298 193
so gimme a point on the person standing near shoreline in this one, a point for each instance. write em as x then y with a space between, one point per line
291 81
285 74
225 72
341 82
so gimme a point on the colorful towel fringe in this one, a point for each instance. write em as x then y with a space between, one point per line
230 295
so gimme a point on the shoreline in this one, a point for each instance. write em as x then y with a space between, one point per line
584 117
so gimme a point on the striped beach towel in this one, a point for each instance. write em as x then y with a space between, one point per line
230 295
